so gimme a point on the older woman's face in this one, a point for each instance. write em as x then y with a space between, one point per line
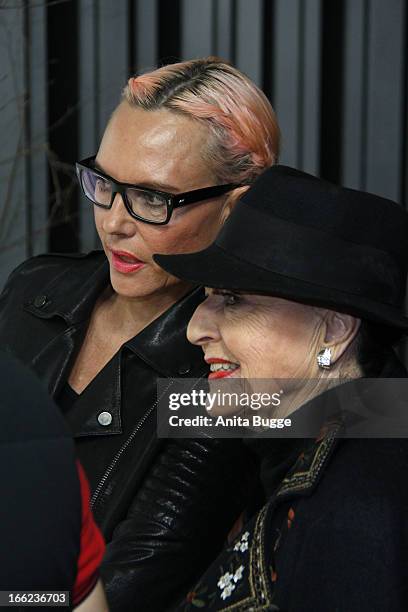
160 150
255 336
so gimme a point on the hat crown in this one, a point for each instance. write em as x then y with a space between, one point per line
355 216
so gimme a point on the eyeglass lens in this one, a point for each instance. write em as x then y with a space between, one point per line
145 204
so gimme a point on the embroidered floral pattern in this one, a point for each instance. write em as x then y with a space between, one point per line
227 591
228 581
245 577
238 573
225 580
242 544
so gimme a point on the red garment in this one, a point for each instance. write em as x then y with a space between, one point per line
92 546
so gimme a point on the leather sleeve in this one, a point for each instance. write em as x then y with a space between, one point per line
178 522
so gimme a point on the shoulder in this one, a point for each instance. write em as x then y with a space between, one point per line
362 491
41 269
371 469
344 545
359 501
39 275
54 263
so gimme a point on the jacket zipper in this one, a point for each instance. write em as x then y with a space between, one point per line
124 447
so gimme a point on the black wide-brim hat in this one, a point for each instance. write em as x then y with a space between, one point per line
298 237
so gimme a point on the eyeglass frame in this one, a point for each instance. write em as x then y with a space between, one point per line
172 200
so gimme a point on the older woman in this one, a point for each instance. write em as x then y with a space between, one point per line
100 329
306 281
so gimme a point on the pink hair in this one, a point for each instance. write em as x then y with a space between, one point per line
240 118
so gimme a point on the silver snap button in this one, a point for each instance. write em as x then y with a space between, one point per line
40 301
105 419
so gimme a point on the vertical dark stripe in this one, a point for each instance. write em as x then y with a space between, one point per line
27 130
234 25
404 110
63 95
403 349
169 39
331 89
132 29
214 27
301 80
97 71
364 101
268 10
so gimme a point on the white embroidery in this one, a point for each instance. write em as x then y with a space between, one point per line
227 591
228 581
242 544
225 580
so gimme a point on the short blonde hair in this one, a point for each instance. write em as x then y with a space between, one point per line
245 133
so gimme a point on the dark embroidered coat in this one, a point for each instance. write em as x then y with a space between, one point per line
333 536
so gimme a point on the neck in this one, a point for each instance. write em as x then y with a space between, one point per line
315 383
129 315
344 370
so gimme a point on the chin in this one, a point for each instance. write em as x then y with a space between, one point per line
130 290
132 286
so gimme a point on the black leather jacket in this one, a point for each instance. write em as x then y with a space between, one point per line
164 506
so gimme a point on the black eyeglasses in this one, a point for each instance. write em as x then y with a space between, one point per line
144 204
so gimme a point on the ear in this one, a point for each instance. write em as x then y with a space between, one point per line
341 329
231 200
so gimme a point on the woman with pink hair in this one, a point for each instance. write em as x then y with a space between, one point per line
100 329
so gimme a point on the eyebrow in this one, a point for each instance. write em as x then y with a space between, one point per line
146 185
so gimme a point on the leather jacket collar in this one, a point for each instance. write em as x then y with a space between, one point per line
71 295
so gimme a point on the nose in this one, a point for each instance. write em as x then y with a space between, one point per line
203 326
116 219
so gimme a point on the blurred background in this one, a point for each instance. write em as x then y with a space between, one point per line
335 71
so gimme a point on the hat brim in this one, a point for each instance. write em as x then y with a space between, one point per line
214 267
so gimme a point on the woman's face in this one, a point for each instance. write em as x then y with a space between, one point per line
159 150
256 336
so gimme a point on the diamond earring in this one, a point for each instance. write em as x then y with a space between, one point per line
324 359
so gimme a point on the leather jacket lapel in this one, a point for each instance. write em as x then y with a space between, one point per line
53 361
164 340
65 304
103 395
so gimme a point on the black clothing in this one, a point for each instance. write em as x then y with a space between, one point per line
164 507
40 510
66 398
333 535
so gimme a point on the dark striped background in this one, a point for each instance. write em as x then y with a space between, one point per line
335 71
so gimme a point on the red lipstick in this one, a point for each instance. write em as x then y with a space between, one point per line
221 373
125 262
217 360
